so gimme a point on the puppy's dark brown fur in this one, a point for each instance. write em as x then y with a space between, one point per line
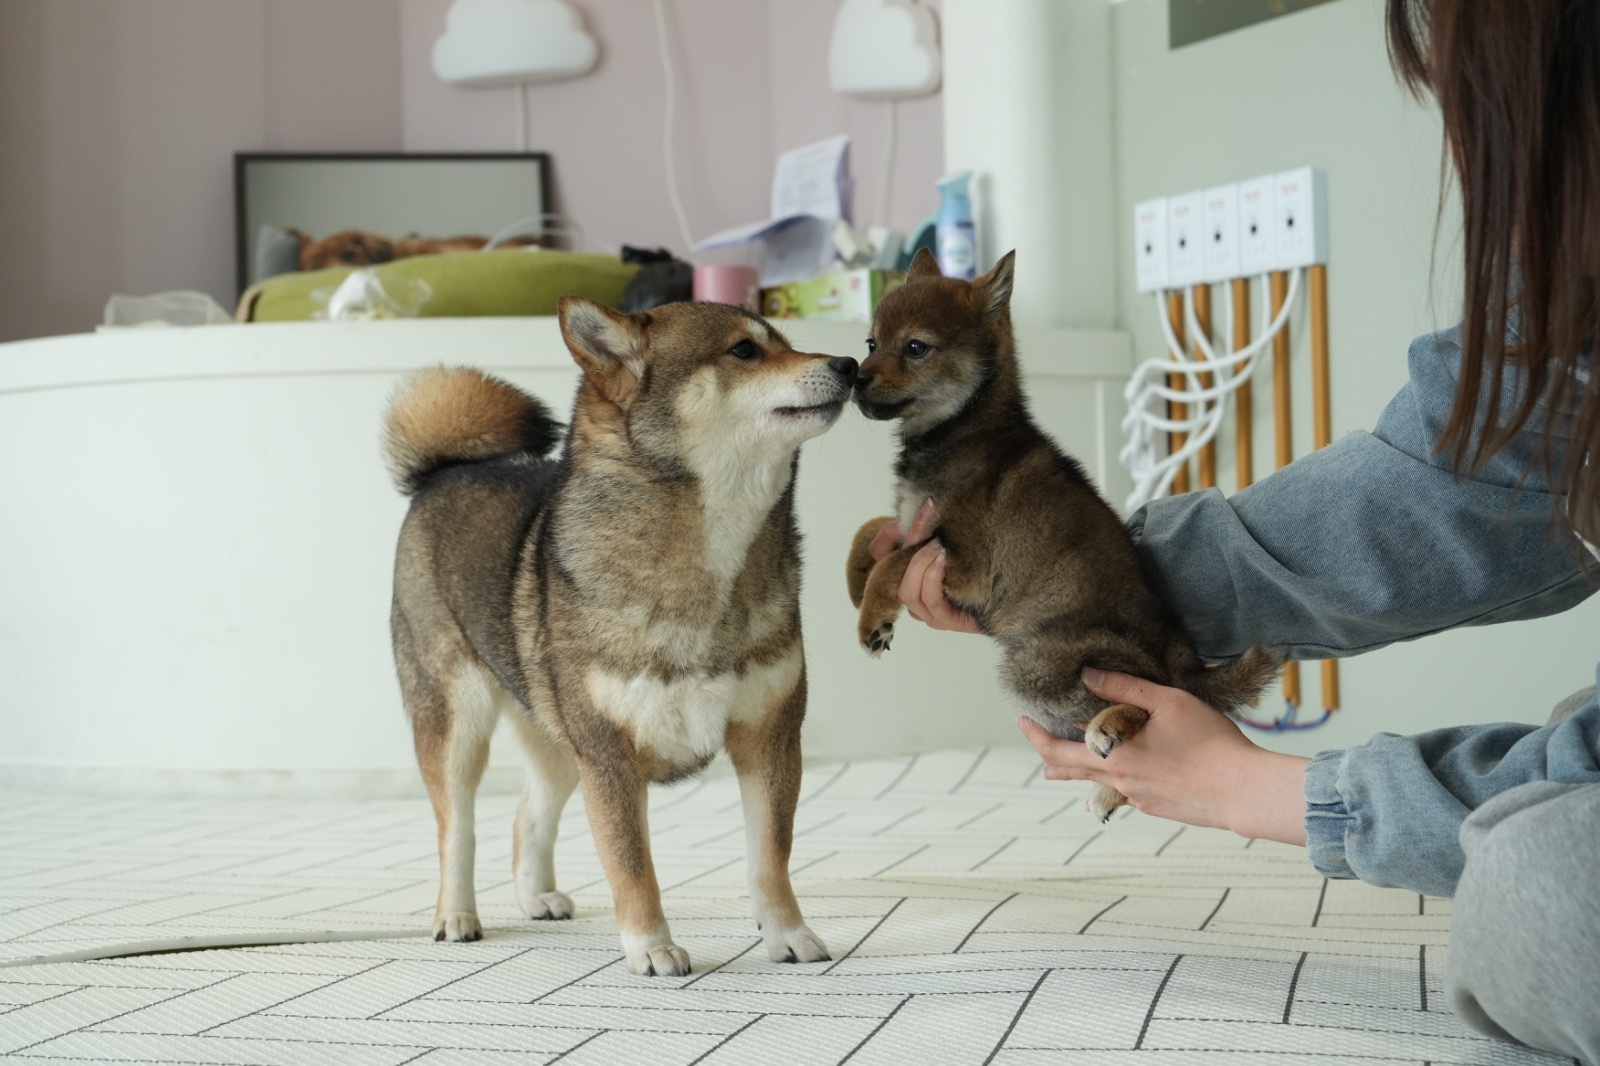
1034 553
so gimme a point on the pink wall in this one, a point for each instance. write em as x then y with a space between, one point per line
118 122
752 81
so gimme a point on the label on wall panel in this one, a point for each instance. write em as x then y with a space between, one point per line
1189 21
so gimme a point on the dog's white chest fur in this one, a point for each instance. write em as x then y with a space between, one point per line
684 721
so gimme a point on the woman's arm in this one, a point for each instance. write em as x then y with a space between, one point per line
1371 540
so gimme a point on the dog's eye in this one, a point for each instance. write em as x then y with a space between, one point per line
745 349
872 345
916 349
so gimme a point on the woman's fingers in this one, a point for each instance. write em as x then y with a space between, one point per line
1123 688
942 614
915 580
922 525
1064 760
887 540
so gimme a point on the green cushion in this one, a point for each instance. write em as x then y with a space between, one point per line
509 281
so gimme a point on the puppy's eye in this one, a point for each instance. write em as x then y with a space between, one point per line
872 345
916 349
745 349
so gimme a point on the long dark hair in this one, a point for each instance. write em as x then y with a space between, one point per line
1518 82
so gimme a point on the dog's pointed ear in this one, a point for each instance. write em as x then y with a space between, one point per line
608 345
923 265
996 285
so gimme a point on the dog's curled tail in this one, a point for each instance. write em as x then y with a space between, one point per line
446 415
1239 684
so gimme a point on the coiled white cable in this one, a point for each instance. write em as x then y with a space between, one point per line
1147 392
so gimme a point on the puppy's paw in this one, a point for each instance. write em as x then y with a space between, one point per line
545 906
663 960
1112 726
799 944
458 927
1102 741
1103 800
877 639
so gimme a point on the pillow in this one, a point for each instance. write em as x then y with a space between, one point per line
277 251
510 281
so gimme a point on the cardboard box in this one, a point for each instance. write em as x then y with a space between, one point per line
845 296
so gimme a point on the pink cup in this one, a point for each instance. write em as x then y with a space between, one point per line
726 283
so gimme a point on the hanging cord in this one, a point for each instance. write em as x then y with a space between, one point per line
666 130
522 114
886 183
1152 473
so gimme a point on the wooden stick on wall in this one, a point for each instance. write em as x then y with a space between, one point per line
1243 402
1322 423
1175 410
1283 427
1208 451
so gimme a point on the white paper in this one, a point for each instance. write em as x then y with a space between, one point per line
811 180
810 186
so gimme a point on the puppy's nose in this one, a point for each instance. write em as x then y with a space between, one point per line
844 366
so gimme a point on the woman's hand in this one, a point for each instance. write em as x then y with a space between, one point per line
1189 763
922 588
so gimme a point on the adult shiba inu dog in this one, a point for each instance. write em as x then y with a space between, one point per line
632 607
1033 552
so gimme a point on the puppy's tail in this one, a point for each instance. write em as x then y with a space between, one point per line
1239 684
446 415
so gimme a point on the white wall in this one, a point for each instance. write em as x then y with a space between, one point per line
195 577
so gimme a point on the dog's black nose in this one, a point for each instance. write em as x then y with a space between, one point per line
844 366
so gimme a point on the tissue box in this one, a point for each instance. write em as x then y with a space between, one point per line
845 296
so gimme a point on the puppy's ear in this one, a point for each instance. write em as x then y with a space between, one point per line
606 344
995 286
923 265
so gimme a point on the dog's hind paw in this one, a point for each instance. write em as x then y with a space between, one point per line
546 906
1103 801
458 927
799 944
877 642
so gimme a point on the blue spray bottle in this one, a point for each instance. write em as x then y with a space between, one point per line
956 237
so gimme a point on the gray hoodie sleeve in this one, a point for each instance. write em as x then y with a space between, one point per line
1390 811
1369 541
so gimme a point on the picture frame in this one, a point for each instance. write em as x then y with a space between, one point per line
396 194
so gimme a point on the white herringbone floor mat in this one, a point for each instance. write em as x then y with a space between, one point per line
975 912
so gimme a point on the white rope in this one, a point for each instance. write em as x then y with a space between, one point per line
1147 393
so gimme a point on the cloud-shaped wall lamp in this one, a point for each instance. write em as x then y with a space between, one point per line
884 49
490 43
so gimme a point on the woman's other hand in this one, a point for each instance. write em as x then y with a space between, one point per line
922 588
1189 763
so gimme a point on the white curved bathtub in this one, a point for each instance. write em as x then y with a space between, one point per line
196 536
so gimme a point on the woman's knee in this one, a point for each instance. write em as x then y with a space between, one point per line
1526 921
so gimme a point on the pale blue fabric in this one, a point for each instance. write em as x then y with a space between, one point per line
1370 541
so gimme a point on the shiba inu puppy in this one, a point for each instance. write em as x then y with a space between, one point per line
1034 553
632 607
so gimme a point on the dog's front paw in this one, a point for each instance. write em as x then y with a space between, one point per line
457 927
663 960
546 906
877 639
1103 800
799 944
